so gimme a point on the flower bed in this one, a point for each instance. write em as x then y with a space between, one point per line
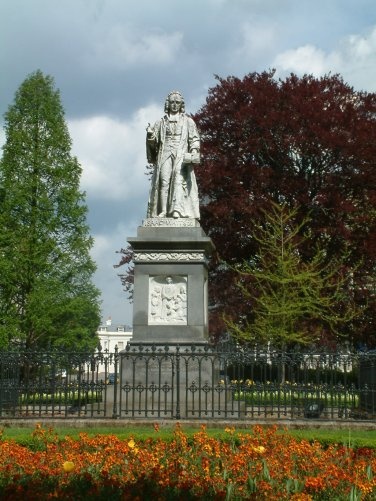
62 397
260 464
268 393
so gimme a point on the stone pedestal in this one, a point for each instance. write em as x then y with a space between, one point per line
170 282
169 369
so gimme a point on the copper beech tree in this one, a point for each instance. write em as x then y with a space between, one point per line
308 143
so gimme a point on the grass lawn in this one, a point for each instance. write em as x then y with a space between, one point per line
351 437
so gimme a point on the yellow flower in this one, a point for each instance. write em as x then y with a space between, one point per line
260 449
131 443
68 466
231 430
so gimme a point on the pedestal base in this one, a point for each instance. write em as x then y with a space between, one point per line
170 282
176 381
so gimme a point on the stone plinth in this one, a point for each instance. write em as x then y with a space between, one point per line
170 282
174 381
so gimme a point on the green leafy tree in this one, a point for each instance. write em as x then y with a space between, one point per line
293 301
47 297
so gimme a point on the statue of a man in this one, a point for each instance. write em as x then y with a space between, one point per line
173 147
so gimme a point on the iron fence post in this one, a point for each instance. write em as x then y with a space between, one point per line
116 361
178 382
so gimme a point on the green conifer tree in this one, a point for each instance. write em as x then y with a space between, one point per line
293 301
47 297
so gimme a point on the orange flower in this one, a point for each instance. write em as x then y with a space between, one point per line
314 483
204 467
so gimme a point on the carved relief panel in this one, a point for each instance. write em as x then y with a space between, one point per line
167 300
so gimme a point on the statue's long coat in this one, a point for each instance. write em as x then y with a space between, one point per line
183 192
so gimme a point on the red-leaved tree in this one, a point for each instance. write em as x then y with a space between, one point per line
307 142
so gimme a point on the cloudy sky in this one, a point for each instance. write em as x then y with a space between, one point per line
115 61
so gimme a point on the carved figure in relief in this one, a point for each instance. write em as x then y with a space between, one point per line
155 302
180 304
173 147
168 302
168 299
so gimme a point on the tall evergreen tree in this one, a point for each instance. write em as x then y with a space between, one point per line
47 297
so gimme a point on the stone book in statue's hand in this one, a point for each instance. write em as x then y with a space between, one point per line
191 158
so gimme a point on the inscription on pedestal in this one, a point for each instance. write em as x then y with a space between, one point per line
169 222
167 300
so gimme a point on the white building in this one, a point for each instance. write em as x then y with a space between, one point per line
111 336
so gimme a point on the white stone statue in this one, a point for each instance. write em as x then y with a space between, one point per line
173 147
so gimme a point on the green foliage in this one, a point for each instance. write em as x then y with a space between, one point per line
294 300
68 397
46 293
285 395
256 372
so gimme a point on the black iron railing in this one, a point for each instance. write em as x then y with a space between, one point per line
189 382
